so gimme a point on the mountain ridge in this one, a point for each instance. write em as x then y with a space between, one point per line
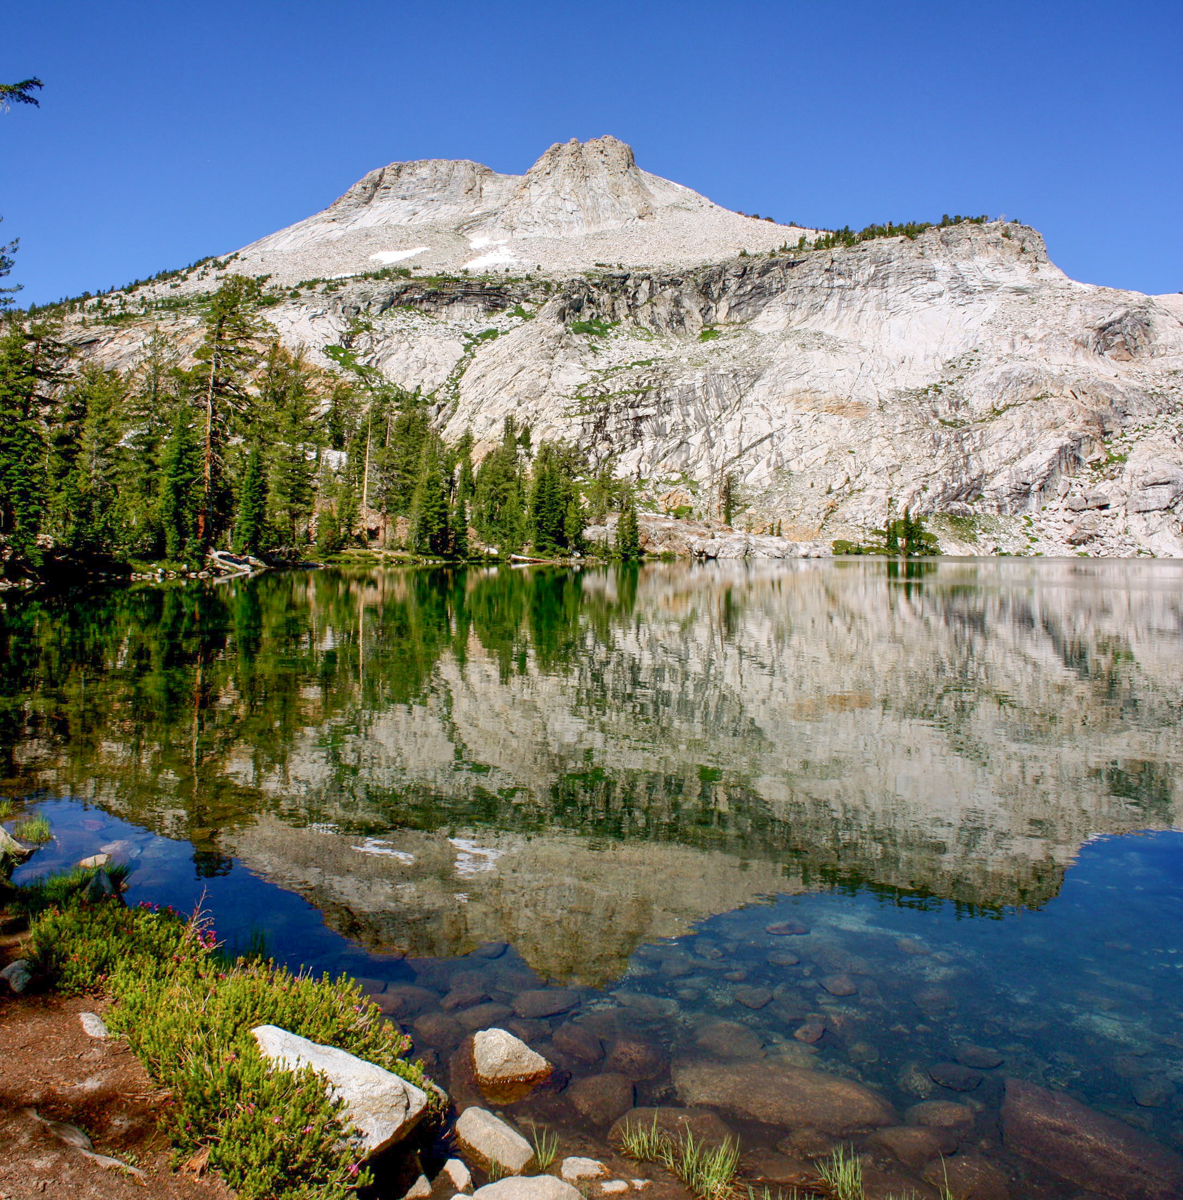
956 371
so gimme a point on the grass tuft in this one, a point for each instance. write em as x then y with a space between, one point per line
709 1172
843 1174
546 1147
7 808
34 829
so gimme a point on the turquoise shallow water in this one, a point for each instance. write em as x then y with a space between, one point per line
957 782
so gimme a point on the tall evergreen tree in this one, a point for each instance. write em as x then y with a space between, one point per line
460 527
181 491
228 351
573 525
628 537
31 359
147 417
547 507
430 528
252 505
85 454
288 386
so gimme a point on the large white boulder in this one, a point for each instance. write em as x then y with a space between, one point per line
382 1107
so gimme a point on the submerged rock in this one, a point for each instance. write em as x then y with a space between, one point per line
602 1098
381 1106
787 929
969 1175
1087 1148
944 1116
706 1127
729 1039
578 1042
954 1076
544 1002
636 1059
490 1142
767 1091
912 1145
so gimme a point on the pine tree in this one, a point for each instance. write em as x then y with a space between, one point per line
498 512
227 352
573 526
84 463
252 505
512 525
181 491
287 395
727 498
460 527
30 367
430 531
547 509
628 536
149 408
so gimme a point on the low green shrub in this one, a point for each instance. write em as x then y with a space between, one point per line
63 889
594 327
187 1013
708 335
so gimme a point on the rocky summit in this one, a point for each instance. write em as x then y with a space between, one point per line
953 370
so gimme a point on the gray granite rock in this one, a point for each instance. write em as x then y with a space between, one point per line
382 1107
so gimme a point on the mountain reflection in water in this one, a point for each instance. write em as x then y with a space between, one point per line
581 761
747 812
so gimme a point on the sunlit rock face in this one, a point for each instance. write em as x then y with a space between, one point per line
959 373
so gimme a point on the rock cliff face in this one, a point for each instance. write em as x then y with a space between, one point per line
959 373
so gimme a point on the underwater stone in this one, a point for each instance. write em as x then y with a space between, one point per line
775 1094
1086 1147
544 1002
602 1098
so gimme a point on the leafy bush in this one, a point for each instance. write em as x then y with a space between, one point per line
708 335
187 1012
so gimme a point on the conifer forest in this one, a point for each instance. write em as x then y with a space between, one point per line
245 446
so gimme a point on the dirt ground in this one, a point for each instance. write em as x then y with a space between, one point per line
49 1064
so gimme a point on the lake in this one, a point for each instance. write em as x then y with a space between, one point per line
723 834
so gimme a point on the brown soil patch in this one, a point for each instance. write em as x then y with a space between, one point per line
49 1063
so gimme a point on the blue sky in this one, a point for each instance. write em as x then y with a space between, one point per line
170 131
